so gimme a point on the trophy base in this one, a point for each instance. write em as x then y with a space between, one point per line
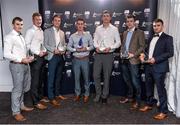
102 49
145 61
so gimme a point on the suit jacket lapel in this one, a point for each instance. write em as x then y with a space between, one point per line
158 42
133 35
53 36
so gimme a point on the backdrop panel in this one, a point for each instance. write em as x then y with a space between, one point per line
144 10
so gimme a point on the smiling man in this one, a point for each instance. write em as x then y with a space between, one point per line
159 50
80 44
15 50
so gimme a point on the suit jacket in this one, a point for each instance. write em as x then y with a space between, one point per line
162 52
49 41
137 44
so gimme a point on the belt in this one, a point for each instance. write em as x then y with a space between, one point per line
105 53
17 63
82 58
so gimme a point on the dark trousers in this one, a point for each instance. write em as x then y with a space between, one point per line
37 68
55 68
131 76
157 78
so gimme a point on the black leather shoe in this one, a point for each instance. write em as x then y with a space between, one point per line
104 101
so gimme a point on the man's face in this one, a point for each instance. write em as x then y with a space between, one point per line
18 25
56 22
157 27
130 23
80 25
37 21
106 18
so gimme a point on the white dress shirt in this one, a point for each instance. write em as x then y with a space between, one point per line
109 36
152 45
14 47
34 39
59 45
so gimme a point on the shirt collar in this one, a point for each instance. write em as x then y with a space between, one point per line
160 33
36 28
15 32
110 25
131 30
78 34
55 29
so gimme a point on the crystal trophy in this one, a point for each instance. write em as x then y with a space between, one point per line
124 54
80 44
60 47
102 46
42 48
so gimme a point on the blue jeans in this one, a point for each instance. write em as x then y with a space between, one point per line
134 75
78 67
55 68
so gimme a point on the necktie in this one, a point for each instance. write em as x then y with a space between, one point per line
156 35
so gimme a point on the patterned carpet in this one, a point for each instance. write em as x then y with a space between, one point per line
71 112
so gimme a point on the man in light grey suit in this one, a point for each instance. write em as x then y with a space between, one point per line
15 50
55 44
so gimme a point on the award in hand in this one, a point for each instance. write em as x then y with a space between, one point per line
102 46
60 47
124 54
144 57
80 44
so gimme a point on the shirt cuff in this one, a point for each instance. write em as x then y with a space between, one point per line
88 48
74 49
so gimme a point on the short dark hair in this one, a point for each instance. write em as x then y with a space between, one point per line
80 19
16 19
35 14
158 20
56 16
106 12
130 16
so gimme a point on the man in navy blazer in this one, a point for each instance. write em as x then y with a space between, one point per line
159 50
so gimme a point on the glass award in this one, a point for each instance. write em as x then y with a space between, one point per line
102 46
124 54
80 43
60 47
42 48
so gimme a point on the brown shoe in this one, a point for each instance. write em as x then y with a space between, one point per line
27 109
19 117
54 102
61 97
134 106
145 108
41 106
86 99
160 116
45 99
124 100
77 98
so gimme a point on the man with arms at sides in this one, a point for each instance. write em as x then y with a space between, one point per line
16 51
132 45
106 40
34 41
81 43
54 42
160 49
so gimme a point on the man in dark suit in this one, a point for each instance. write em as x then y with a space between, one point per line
132 45
159 50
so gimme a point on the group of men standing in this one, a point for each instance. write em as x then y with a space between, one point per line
27 61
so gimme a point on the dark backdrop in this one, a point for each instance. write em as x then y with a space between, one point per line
144 10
